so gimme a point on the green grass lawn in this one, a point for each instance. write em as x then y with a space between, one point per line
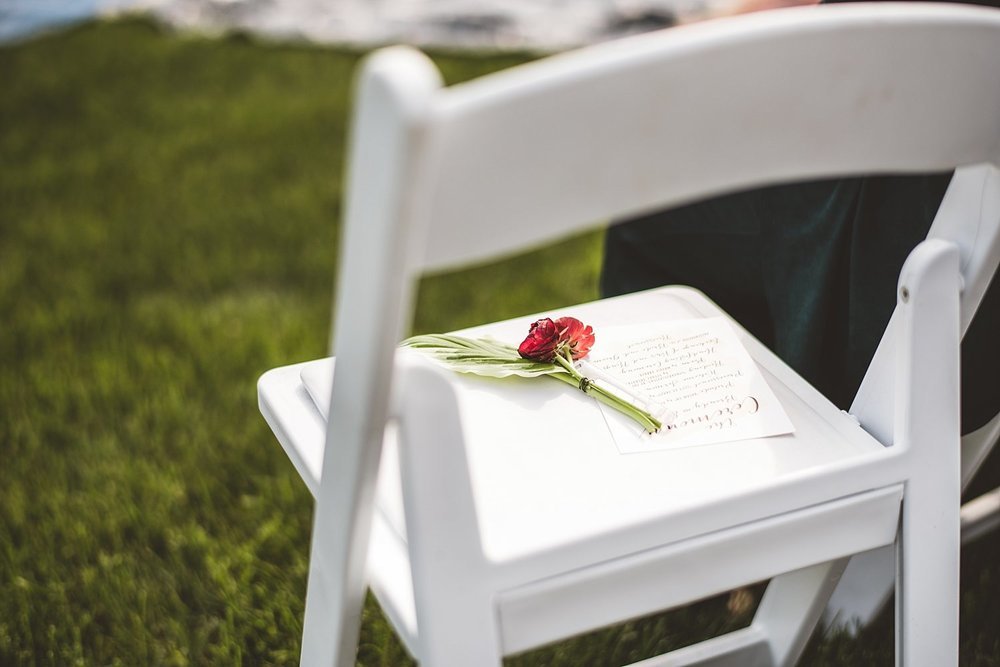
168 228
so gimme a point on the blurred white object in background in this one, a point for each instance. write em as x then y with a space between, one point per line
545 25
538 24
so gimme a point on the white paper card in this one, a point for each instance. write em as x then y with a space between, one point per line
696 369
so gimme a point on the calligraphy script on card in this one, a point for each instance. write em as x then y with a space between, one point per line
698 375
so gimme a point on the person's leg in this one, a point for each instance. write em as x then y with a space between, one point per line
713 246
810 269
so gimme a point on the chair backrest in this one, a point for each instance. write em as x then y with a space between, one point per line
440 177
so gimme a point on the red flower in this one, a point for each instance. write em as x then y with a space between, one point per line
575 336
542 341
567 336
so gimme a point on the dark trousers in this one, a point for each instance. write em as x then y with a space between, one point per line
811 270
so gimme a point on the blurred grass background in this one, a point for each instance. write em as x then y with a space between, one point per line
168 229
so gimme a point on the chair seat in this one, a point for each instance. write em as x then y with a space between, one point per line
549 483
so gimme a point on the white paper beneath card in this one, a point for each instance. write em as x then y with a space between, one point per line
700 372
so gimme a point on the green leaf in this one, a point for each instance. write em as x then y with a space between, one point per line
481 356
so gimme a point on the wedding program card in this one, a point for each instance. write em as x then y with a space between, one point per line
698 373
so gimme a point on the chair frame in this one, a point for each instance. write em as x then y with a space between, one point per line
417 175
867 581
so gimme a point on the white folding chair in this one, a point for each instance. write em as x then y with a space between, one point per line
487 526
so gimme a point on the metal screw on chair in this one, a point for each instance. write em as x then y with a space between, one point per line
904 294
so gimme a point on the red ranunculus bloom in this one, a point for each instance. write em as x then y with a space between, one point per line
542 341
575 336
567 336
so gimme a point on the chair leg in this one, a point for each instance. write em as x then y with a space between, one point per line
981 516
926 584
463 635
866 586
787 615
926 413
792 606
785 619
740 648
863 591
457 619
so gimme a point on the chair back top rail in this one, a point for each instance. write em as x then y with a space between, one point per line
543 150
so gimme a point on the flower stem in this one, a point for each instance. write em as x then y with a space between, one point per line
650 423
